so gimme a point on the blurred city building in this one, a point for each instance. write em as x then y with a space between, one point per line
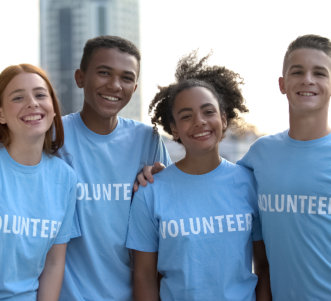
233 147
65 26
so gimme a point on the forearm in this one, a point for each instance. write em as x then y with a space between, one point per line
145 277
263 291
145 289
50 281
261 269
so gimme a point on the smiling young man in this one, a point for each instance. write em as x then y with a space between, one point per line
107 152
293 174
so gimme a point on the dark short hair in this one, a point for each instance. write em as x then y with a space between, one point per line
54 137
108 42
308 41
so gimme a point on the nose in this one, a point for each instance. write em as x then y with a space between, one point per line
308 78
114 84
199 120
32 102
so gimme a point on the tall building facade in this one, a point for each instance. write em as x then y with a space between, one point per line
65 26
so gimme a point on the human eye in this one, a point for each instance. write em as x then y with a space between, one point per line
41 95
210 111
103 72
320 74
296 72
185 117
128 78
17 98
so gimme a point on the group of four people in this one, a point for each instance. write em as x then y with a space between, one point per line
195 230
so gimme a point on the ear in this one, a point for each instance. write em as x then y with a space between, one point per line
174 131
2 117
79 77
224 122
135 87
281 83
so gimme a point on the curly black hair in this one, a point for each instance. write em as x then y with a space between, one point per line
191 72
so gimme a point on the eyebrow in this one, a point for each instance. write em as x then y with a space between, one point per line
190 109
22 90
124 71
301 67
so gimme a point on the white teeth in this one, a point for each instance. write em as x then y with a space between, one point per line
306 94
32 117
201 134
111 98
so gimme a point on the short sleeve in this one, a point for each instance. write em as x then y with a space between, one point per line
143 227
161 153
70 224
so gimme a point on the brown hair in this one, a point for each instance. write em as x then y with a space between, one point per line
54 137
308 41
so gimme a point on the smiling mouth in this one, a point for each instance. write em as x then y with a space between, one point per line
110 98
32 118
203 134
306 93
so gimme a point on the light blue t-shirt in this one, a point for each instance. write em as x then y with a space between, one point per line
37 204
98 264
202 227
294 196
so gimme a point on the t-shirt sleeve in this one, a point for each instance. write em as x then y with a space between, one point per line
143 227
161 153
252 198
248 159
70 225
256 224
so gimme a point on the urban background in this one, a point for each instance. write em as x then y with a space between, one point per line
64 28
249 37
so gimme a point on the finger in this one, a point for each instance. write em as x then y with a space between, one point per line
141 180
147 173
135 186
157 167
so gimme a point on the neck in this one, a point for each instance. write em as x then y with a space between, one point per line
309 127
199 164
25 153
97 124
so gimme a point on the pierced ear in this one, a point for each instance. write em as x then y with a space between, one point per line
281 83
79 77
2 117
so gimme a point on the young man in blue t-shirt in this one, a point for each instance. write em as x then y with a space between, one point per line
107 152
293 174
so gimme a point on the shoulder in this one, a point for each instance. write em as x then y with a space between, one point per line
134 125
60 168
161 179
269 140
70 118
238 174
237 170
140 133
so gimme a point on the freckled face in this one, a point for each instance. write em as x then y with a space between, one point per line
27 107
198 120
